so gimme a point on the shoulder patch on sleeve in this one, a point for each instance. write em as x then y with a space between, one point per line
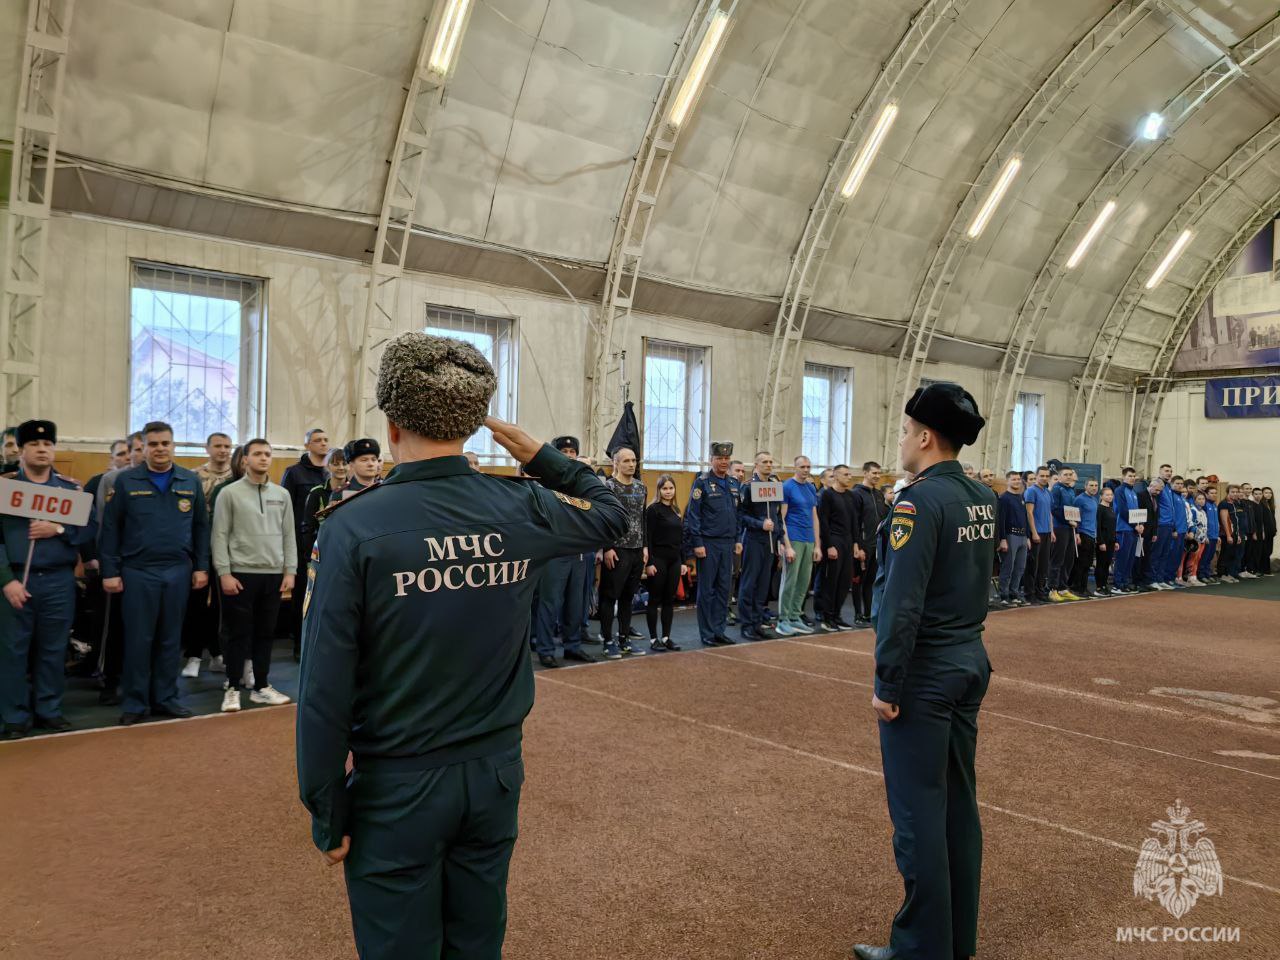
900 530
905 506
697 493
572 501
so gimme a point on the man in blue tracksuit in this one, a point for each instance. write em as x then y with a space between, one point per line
1214 526
40 609
1173 561
154 551
1061 496
1127 533
711 529
1162 501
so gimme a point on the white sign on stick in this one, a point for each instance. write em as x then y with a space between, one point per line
1071 514
766 491
36 501
1137 516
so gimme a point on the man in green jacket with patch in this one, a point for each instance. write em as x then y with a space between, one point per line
935 552
416 659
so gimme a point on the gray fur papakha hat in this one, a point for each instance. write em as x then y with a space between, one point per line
436 387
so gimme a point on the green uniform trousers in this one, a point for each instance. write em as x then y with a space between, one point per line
928 753
427 872
795 581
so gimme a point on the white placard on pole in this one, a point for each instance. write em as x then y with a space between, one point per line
1071 514
1137 516
38 501
766 491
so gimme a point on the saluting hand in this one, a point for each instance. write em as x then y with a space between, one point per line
888 712
513 439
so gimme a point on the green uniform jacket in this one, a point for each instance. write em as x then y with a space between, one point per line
935 548
417 612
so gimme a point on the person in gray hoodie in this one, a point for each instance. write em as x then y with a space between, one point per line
255 555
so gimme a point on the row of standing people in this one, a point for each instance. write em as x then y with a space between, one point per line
1168 533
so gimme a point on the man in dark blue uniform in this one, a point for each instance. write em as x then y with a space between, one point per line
416 660
364 465
711 528
760 522
41 595
561 595
154 551
936 549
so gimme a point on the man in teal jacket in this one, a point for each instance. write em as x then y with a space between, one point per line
416 660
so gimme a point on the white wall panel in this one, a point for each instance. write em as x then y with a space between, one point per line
313 313
1236 450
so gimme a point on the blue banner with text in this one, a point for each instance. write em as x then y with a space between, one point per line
1233 397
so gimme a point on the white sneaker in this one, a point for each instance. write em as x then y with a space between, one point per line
1246 575
217 665
192 668
1194 582
230 700
270 696
247 680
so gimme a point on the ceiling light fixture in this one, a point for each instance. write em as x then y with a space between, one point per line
1091 234
447 37
1011 168
1170 259
867 153
1152 126
693 80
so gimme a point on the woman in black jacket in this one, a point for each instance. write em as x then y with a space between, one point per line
336 472
663 531
1106 549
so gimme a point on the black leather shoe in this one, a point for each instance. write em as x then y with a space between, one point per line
109 698
748 635
723 641
548 661
864 952
129 719
766 633
14 731
581 656
174 710
57 724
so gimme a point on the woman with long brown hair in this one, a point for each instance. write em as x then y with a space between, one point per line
663 533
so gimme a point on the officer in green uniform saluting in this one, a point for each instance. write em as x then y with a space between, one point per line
415 658
935 551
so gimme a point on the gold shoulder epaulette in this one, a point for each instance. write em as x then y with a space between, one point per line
325 511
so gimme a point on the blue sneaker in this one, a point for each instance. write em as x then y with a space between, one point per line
611 650
784 629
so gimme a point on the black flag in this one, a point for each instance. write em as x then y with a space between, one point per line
626 433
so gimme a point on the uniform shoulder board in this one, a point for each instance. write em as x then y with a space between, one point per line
71 480
325 511
572 501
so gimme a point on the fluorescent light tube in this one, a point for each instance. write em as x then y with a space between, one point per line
1170 259
1091 234
692 83
1152 126
862 162
447 37
1011 168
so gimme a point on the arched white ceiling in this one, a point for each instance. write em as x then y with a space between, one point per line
297 101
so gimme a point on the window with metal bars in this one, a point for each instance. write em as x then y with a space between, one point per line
676 380
196 357
495 338
826 414
1027 446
